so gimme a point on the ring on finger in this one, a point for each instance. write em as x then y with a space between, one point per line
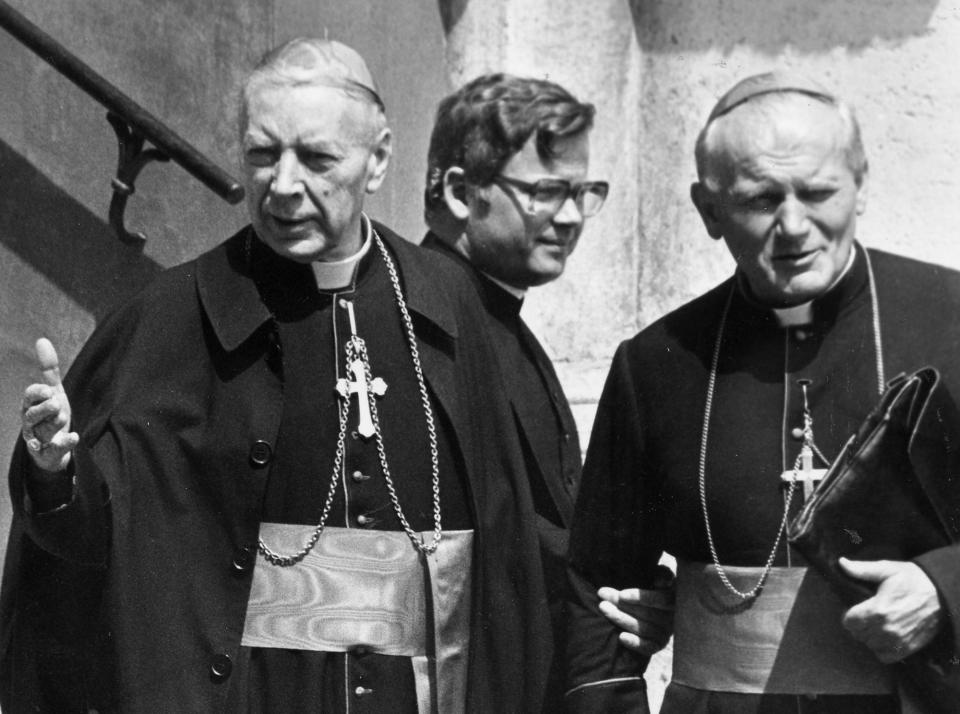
33 443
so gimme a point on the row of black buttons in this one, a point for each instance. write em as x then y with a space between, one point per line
221 666
261 452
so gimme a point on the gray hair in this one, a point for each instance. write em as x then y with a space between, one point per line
307 61
765 104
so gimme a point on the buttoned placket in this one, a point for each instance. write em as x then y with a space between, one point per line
352 475
797 340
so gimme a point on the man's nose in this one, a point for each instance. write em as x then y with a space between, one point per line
287 175
569 214
792 217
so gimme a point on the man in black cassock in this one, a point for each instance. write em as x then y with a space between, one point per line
507 196
282 478
710 415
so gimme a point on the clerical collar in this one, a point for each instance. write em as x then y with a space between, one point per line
334 275
802 314
518 293
795 315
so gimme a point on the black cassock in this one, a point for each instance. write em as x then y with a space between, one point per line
640 493
207 407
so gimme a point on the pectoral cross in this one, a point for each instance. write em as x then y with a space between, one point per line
803 471
808 477
358 386
356 353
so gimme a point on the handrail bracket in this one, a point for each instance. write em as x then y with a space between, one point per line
131 160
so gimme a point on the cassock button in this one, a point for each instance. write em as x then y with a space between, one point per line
260 453
797 433
802 334
566 437
359 476
361 691
220 667
242 560
364 520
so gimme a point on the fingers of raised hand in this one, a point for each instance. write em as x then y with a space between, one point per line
44 411
54 454
64 441
45 423
48 361
42 402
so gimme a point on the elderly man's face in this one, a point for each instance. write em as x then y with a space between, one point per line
786 200
512 240
309 156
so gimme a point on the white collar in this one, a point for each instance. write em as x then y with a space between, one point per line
337 274
794 315
803 314
518 293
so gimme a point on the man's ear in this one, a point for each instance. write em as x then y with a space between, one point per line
708 205
378 160
862 190
455 193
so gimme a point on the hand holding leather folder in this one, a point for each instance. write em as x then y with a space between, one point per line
893 493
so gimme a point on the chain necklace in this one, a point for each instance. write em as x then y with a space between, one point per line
356 349
807 437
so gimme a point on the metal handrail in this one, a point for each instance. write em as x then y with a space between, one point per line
132 123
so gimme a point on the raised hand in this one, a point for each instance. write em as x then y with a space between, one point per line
45 414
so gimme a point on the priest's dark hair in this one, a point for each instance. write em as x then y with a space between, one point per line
483 124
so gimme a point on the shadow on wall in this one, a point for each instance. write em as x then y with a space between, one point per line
76 254
63 241
812 26
450 13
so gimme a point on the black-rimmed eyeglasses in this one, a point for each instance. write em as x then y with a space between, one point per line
548 195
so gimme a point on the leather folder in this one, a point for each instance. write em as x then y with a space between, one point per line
893 493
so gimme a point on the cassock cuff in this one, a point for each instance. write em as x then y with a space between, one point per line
942 566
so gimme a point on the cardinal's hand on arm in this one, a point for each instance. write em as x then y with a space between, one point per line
644 615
